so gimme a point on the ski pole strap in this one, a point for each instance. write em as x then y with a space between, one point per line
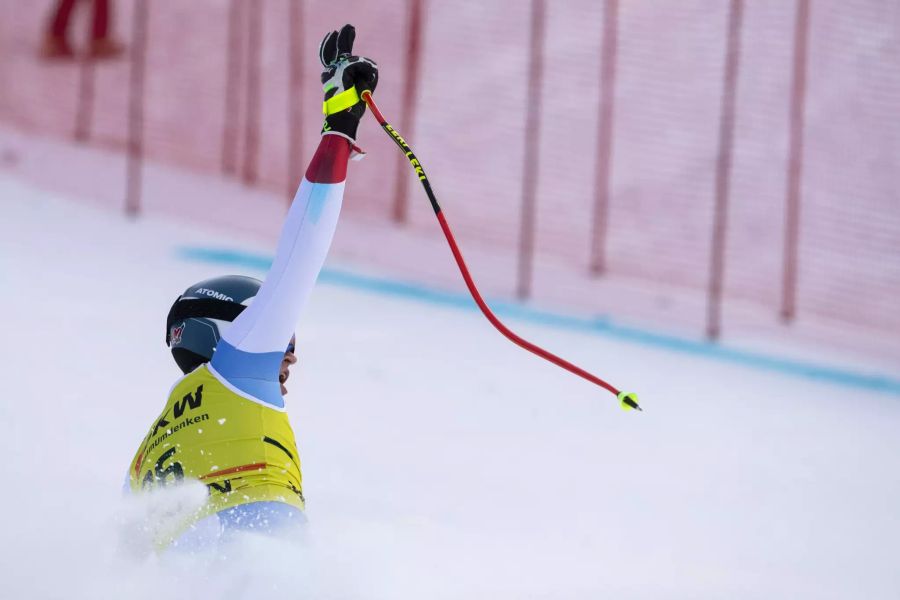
340 102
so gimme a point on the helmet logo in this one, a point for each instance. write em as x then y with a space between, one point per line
214 294
176 334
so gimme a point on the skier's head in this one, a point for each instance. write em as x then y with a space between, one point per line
199 317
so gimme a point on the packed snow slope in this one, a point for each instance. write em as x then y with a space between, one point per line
440 461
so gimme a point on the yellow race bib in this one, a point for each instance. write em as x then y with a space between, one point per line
242 449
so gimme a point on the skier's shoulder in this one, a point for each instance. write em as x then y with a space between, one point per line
205 379
191 379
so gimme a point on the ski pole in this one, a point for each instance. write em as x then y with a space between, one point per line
628 400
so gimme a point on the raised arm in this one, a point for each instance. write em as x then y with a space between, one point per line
251 350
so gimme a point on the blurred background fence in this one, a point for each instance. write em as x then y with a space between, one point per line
726 165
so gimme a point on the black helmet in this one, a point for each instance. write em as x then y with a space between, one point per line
199 316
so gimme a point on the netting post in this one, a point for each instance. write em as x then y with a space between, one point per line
251 120
723 171
85 105
135 156
408 107
608 52
531 162
295 97
233 57
795 163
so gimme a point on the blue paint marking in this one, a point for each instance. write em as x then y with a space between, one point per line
597 325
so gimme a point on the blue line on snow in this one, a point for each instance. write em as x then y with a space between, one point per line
598 325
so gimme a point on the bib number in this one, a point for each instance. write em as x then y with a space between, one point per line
161 474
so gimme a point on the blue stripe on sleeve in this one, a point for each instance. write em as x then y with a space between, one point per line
318 197
255 374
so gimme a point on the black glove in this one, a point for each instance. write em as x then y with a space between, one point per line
345 78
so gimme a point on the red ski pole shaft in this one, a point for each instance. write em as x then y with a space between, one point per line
628 400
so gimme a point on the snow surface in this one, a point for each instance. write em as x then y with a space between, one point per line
439 460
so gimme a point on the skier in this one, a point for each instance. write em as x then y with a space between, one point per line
224 423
